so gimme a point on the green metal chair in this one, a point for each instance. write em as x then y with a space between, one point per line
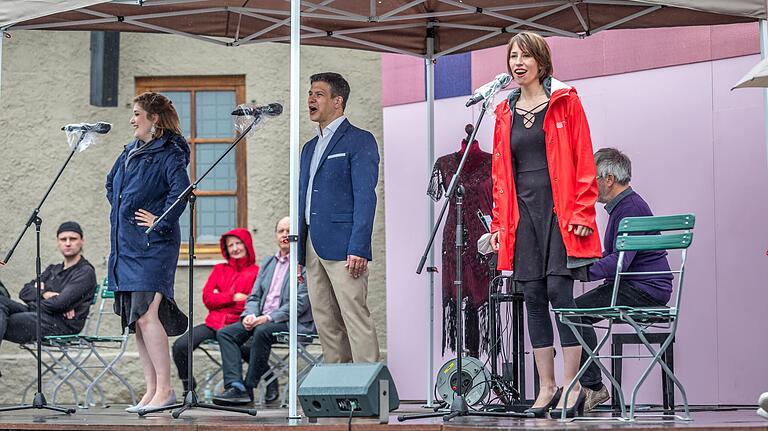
673 232
97 343
65 354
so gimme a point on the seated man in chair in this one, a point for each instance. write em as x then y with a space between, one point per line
67 291
614 171
266 312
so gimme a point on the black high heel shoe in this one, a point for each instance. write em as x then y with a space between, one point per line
576 410
540 412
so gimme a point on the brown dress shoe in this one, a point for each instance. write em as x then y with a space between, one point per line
595 398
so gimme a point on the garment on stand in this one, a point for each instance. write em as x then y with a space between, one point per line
476 179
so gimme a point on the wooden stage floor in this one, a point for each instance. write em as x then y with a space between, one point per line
115 419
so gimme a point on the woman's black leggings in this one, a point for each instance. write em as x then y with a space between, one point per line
558 291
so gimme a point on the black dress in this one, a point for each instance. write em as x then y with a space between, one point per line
130 306
539 247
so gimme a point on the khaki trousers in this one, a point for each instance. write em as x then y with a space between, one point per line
340 310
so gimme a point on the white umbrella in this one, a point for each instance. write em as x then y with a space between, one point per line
756 77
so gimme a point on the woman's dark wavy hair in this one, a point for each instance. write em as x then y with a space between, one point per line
156 103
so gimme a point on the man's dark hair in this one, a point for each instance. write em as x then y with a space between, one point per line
339 85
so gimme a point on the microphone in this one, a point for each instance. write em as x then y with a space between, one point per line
271 110
502 80
100 128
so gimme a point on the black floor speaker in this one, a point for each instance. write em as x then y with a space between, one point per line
336 390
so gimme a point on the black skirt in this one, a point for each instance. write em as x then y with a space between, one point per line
132 305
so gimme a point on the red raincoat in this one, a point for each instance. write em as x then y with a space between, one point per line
571 171
226 279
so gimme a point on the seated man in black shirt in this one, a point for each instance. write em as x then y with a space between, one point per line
67 291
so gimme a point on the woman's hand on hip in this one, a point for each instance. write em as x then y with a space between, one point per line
495 241
239 297
144 218
579 230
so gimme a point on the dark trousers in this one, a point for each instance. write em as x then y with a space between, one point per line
200 333
17 322
558 291
235 335
601 297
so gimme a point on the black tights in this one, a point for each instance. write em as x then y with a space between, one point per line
558 291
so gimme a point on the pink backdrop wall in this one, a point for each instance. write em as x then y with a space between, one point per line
695 146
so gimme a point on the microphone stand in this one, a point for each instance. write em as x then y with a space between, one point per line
459 406
39 401
191 400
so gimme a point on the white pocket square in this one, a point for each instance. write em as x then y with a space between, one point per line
333 156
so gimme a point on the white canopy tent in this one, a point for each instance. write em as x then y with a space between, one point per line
428 29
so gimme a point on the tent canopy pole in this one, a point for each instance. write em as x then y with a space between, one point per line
430 88
294 210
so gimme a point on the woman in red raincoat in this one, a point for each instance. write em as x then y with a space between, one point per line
544 192
224 295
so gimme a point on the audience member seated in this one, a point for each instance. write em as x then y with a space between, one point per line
66 288
224 295
614 171
266 312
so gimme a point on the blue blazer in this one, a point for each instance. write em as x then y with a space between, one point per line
343 195
152 180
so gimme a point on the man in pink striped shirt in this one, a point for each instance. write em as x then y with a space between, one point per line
266 312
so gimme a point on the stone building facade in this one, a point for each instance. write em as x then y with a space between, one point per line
45 84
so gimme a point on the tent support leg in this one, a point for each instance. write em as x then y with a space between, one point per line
430 89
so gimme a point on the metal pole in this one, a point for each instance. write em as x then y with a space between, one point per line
430 88
294 208
2 36
763 53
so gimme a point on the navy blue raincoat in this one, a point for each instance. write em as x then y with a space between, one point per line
149 178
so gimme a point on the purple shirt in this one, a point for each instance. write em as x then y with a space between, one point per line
272 301
659 287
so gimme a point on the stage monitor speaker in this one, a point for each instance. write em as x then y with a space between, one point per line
336 390
105 70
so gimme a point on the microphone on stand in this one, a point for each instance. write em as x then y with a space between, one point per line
100 127
271 110
501 81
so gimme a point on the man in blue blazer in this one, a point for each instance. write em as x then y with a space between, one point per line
266 312
337 202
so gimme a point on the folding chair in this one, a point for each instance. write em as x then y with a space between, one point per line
638 234
209 347
97 343
279 362
65 356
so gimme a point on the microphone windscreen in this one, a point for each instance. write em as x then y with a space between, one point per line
276 108
102 128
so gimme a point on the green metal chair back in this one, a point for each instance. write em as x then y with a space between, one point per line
653 233
655 240
657 223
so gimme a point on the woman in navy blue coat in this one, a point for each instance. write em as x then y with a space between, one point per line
145 180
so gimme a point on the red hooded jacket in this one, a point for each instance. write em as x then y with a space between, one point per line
226 279
571 171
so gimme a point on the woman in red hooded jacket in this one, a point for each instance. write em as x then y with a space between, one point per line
544 192
224 294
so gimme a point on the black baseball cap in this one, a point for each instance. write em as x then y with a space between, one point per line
70 226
